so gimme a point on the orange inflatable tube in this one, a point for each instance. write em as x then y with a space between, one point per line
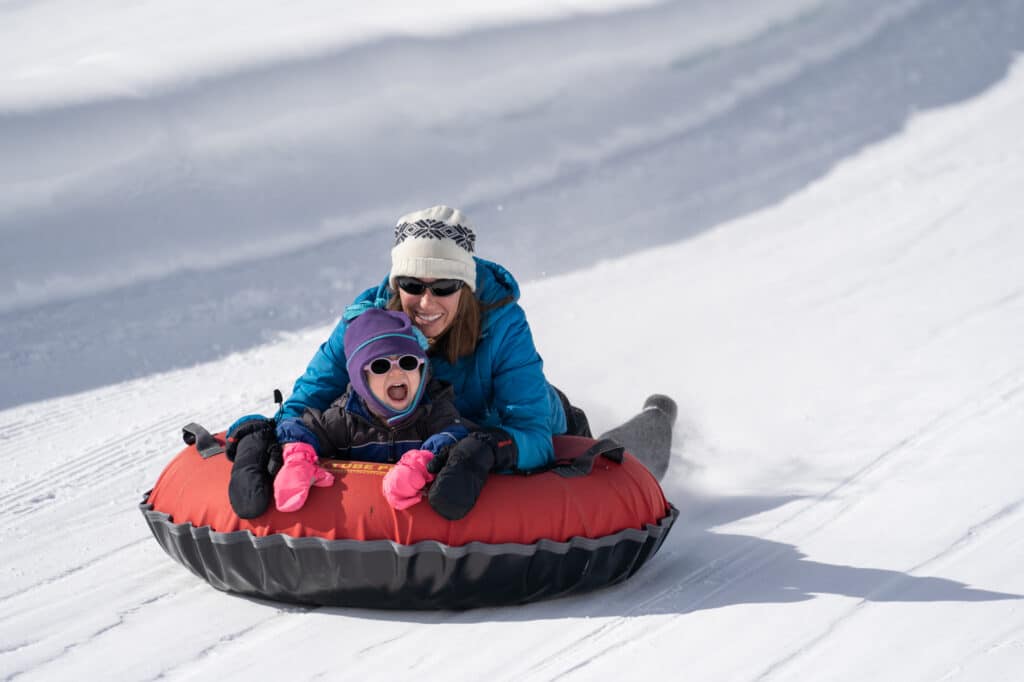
528 537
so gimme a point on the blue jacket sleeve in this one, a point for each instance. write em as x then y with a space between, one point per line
294 430
450 435
521 394
323 381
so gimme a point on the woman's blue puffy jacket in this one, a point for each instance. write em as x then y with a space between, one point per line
501 384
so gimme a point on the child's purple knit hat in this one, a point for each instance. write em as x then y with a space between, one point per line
378 333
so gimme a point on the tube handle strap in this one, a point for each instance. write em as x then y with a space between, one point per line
584 464
206 444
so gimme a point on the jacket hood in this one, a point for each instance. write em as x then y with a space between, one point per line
379 333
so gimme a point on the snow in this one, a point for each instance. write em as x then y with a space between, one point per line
802 221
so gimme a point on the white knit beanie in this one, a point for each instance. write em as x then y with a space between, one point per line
436 243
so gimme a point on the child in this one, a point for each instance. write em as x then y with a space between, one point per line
391 412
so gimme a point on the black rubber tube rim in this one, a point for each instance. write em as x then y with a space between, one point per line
388 575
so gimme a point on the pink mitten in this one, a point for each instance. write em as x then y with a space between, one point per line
297 474
404 484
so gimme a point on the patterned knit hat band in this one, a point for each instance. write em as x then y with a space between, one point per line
435 229
435 243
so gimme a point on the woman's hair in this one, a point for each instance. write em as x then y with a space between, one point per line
462 335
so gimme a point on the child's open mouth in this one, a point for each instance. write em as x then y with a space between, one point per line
398 392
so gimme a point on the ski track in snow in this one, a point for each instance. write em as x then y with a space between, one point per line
74 569
122 616
1005 516
1008 515
985 400
218 645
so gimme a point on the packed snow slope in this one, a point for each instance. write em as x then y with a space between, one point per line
803 222
179 187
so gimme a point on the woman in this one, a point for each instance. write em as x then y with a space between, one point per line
478 340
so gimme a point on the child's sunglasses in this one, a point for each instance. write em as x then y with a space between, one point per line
383 365
441 287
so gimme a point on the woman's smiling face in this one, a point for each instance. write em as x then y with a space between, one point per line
431 314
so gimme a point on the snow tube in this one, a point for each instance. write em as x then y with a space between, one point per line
528 537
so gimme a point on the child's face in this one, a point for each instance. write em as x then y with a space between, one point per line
397 387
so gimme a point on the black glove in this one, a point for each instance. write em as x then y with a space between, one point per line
256 454
462 470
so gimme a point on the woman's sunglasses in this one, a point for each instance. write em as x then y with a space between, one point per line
440 287
383 365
